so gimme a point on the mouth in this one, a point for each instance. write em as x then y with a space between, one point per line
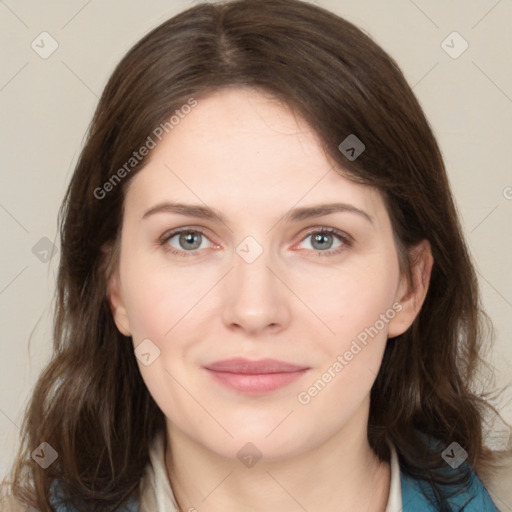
254 377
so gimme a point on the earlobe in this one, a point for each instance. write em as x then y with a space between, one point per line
117 307
412 295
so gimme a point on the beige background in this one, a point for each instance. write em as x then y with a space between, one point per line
46 105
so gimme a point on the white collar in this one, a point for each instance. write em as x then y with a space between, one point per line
395 487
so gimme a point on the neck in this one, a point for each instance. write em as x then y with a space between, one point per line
341 474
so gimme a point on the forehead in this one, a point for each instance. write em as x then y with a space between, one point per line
243 123
242 148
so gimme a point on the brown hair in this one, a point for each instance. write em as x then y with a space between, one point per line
91 404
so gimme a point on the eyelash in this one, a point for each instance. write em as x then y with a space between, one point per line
346 240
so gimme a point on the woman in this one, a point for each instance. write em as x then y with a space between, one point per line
265 301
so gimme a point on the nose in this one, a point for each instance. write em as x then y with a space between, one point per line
256 300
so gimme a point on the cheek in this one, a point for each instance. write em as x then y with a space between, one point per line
351 299
360 308
157 304
158 296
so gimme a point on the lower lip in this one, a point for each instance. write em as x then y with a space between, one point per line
256 383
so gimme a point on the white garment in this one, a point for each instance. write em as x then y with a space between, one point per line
395 487
157 495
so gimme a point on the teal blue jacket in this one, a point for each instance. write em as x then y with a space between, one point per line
470 498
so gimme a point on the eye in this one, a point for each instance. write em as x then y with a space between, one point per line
187 240
323 239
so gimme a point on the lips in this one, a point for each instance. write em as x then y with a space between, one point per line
246 366
254 377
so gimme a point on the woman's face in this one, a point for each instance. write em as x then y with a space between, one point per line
263 283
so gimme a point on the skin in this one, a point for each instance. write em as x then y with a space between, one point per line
246 155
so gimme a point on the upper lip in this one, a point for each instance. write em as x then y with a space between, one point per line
247 366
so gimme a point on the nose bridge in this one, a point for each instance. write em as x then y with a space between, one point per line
253 261
256 297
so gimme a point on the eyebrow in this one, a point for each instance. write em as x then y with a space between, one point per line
295 215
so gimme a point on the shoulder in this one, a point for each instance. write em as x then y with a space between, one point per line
498 482
58 502
11 504
472 496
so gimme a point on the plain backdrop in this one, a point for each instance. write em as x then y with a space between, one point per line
47 102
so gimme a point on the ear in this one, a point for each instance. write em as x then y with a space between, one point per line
411 295
117 306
